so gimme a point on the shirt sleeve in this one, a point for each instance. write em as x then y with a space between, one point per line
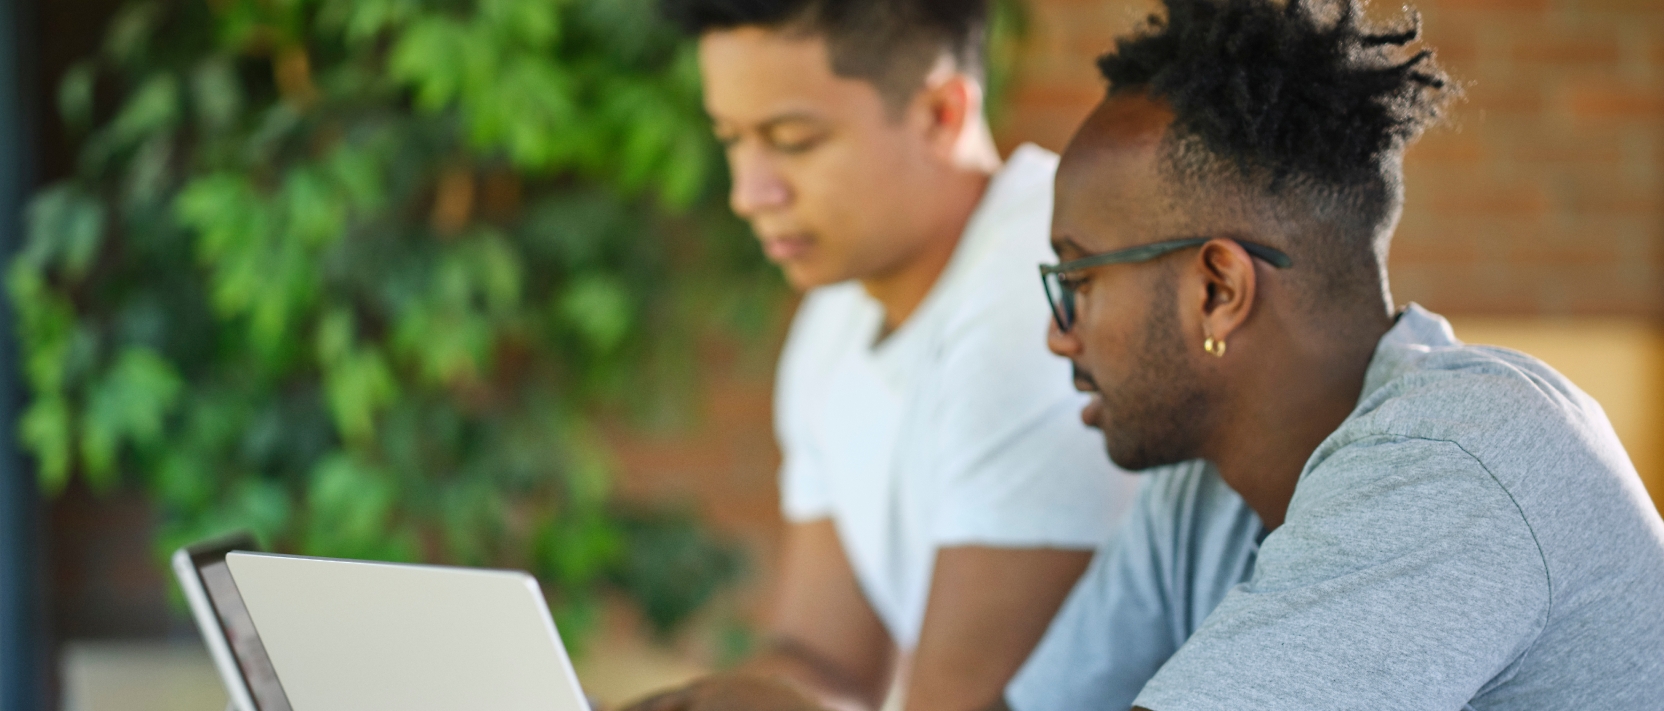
804 491
1187 540
1018 467
1109 637
1404 577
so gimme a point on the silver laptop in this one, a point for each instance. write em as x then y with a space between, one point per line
226 628
358 636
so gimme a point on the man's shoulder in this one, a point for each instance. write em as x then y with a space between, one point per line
1487 400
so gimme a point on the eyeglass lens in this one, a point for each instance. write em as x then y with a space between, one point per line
1062 300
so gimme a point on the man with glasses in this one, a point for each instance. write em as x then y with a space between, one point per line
1434 525
941 495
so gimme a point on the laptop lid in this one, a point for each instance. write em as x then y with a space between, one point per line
226 628
371 636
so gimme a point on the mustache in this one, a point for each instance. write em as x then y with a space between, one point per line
1082 376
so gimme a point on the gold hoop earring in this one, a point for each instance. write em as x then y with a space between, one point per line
1216 348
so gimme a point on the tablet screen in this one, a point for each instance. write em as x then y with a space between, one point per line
256 667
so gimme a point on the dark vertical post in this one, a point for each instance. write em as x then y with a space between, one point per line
22 618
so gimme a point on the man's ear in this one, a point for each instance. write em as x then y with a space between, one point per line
1229 281
949 104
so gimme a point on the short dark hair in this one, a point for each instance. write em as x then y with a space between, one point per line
1301 102
891 43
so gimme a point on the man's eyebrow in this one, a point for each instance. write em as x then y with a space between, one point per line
1063 244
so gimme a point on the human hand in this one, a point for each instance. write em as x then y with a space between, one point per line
730 692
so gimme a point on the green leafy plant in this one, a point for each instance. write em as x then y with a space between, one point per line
359 274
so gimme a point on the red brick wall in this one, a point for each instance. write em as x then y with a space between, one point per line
1544 193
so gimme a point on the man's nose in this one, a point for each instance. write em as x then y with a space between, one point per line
1061 342
758 187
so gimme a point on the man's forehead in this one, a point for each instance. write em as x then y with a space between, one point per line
757 75
1109 188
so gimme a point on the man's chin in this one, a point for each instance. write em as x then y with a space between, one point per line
803 276
1136 455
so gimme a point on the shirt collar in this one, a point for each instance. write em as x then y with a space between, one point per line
1415 334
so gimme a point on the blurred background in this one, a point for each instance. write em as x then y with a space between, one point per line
454 281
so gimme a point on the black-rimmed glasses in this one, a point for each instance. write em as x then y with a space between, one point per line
1060 289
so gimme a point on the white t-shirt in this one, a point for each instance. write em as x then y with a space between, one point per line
960 428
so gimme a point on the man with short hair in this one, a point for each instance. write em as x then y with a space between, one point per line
941 495
1435 525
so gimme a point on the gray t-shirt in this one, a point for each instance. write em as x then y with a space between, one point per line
1187 541
1473 536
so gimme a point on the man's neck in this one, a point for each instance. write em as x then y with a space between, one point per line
900 290
1295 401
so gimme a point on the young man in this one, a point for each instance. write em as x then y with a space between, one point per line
941 495
1449 526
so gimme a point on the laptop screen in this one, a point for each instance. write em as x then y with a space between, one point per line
256 667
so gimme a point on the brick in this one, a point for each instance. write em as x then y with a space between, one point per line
1607 195
1642 8
1614 100
1454 53
1492 5
1442 146
1563 147
1502 97
1565 51
1069 97
1488 199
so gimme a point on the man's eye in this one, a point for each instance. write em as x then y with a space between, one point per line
1072 282
791 143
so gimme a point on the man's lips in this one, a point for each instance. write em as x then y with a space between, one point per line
1091 414
1083 379
785 248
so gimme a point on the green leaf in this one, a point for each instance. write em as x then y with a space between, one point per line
130 32
357 381
494 271
447 343
672 567
316 214
261 506
687 169
577 549
349 507
367 19
45 432
154 107
358 173
532 23
75 93
426 55
224 210
216 94
599 308
184 482
127 404
147 172
66 228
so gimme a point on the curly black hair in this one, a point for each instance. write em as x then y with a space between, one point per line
890 43
1306 88
1311 105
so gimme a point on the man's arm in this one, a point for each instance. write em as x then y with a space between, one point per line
988 609
825 636
827 648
